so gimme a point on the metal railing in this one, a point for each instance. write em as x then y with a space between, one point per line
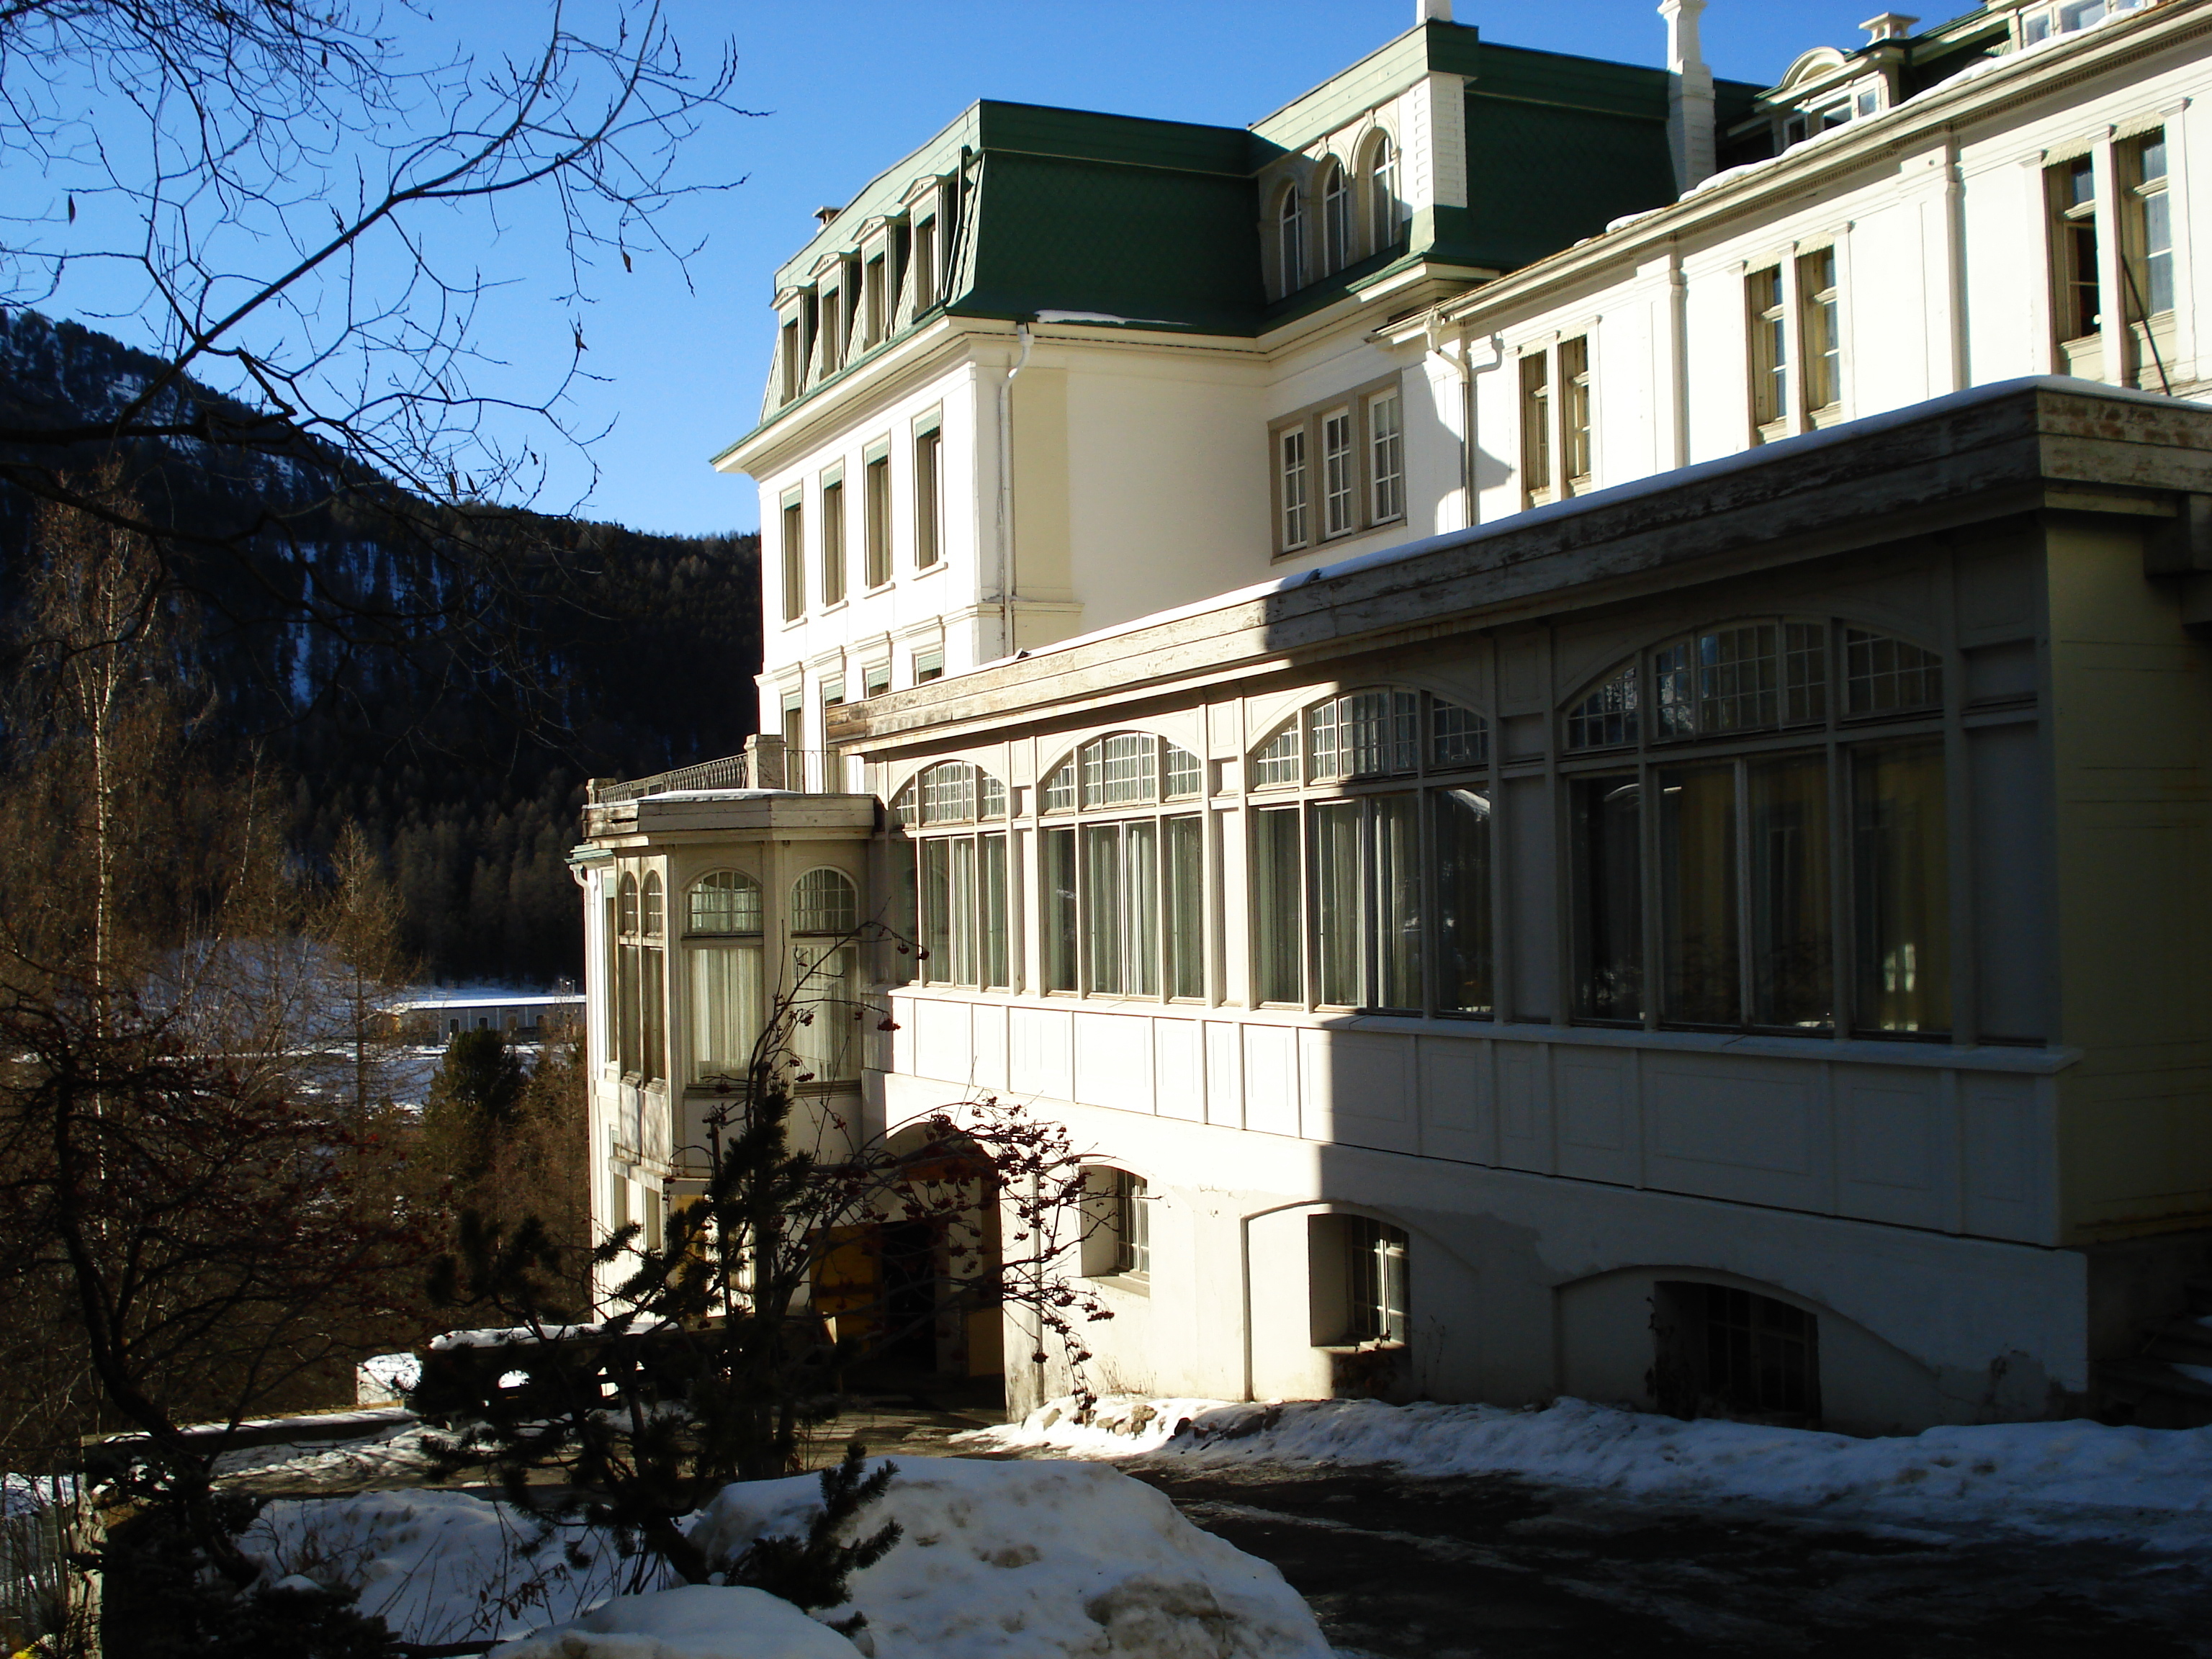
765 764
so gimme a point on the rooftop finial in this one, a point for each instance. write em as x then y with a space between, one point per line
1890 26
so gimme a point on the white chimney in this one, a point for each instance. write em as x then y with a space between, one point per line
1890 26
1432 11
1689 94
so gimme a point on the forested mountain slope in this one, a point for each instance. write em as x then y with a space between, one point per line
457 729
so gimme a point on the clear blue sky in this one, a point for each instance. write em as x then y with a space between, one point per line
847 88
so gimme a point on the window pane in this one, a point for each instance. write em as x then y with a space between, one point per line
1060 790
1337 472
1461 831
1458 736
1140 908
962 912
824 902
1338 911
1398 902
726 903
1101 900
1276 934
726 1010
997 955
1697 876
626 996
1058 862
1608 716
823 988
1901 882
1293 476
937 911
1118 770
1386 441
652 989
1277 763
1884 676
1790 940
1608 891
1183 773
1184 877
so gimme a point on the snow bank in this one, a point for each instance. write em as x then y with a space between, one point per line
999 1560
437 1566
1034 1560
2076 1479
692 1621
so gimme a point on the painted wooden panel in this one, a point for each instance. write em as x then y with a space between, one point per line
1893 1128
1456 1119
2006 1130
1179 1069
1114 1061
1740 1129
1358 1090
1041 1057
1270 1080
944 1041
1524 1107
990 1021
1595 1092
1225 1075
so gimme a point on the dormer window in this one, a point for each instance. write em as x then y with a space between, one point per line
1383 211
1335 219
1291 240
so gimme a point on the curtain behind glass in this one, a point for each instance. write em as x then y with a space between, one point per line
1278 939
823 986
1608 890
1789 930
1101 903
962 912
1397 902
1184 877
1901 887
997 957
1140 908
1338 907
937 911
1060 909
653 993
1461 833
725 1009
1698 936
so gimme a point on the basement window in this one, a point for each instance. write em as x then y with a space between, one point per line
1721 1352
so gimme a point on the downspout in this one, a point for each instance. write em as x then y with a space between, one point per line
1464 362
1006 646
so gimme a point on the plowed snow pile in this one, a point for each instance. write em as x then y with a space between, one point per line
997 1560
2075 1479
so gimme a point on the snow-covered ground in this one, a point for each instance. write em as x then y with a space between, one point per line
997 1560
2081 1479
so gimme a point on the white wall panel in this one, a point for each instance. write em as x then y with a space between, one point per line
1041 1053
1114 1061
1179 1069
1270 1080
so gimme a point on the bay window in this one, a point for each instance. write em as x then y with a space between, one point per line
722 961
1735 872
640 996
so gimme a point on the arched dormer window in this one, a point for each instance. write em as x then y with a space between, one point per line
1291 240
823 987
722 967
1830 730
1335 219
1385 221
1399 915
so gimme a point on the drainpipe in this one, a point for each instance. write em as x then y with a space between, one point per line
1464 363
1006 494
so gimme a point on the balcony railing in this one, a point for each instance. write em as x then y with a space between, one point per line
765 764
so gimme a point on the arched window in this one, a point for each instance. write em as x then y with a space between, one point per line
1399 916
641 995
1124 911
952 791
1291 240
1832 730
825 901
722 962
725 902
1335 219
1384 215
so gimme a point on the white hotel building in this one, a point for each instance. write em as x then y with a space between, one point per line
1514 692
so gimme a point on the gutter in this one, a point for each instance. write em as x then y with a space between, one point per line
1006 493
